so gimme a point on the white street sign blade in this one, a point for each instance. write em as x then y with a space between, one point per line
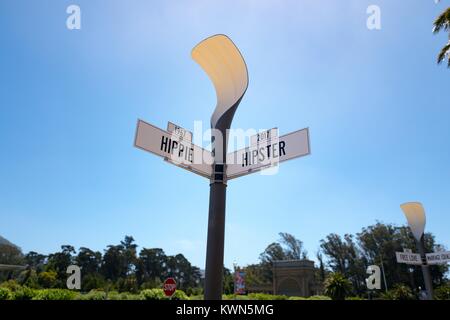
179 152
261 156
438 257
408 258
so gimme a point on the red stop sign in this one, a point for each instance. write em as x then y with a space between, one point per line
169 287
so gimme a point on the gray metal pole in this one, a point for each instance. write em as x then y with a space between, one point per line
215 245
216 217
217 199
384 274
425 269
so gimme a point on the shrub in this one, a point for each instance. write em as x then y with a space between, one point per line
92 281
399 292
112 295
48 279
297 298
129 296
264 296
5 293
128 284
194 291
158 294
152 284
11 285
93 295
180 295
55 294
29 278
153 294
442 293
235 297
24 293
319 298
337 287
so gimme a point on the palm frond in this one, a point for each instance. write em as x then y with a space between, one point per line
445 53
442 22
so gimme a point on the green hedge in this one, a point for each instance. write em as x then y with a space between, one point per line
5 294
11 291
55 294
158 294
92 295
264 296
114 295
24 293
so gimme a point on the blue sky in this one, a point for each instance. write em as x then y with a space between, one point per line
375 101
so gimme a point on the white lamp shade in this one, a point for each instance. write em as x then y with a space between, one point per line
225 66
415 214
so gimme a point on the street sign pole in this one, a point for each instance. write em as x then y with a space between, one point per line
425 268
225 66
215 242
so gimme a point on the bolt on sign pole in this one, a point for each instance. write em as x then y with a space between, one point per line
225 66
415 214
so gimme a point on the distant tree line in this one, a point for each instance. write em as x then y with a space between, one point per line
350 255
120 267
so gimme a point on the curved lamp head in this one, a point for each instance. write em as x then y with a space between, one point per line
415 214
223 63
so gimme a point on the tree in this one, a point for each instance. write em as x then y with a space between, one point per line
321 272
181 270
129 248
59 261
256 275
120 261
337 287
114 263
151 266
119 268
379 244
293 247
90 263
287 248
10 254
345 258
35 260
48 279
376 245
443 23
228 281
